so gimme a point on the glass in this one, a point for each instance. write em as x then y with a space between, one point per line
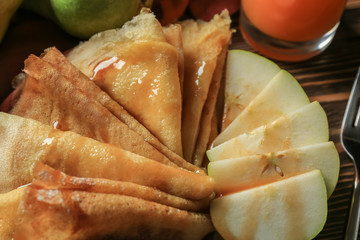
290 30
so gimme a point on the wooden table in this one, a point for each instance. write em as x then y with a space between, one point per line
326 78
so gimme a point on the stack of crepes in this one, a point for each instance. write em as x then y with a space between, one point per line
93 144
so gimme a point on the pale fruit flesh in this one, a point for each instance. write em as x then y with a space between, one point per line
295 208
250 171
281 96
307 125
244 81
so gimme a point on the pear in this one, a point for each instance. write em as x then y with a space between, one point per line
7 10
258 169
82 18
305 126
244 81
282 95
294 208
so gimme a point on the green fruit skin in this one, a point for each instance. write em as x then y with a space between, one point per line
84 18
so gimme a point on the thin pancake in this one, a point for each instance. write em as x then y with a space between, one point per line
214 131
173 35
50 98
48 177
82 83
209 111
72 214
25 141
9 203
138 68
203 42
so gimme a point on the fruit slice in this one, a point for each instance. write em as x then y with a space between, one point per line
305 126
282 95
251 171
244 81
295 208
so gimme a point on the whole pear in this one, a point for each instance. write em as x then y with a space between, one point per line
84 18
7 10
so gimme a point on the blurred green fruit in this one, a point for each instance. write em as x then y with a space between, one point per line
84 18
7 10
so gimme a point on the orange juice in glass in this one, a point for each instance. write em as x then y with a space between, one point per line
290 30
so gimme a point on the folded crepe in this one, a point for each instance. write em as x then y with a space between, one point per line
138 68
47 177
26 141
205 45
47 96
75 214
94 94
208 112
51 180
9 203
214 131
173 35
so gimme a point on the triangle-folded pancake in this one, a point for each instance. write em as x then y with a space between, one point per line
50 98
25 141
48 177
173 35
203 42
9 203
138 68
209 111
83 84
76 214
214 131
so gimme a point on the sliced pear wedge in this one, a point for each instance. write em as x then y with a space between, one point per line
295 208
251 171
305 126
282 95
244 81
